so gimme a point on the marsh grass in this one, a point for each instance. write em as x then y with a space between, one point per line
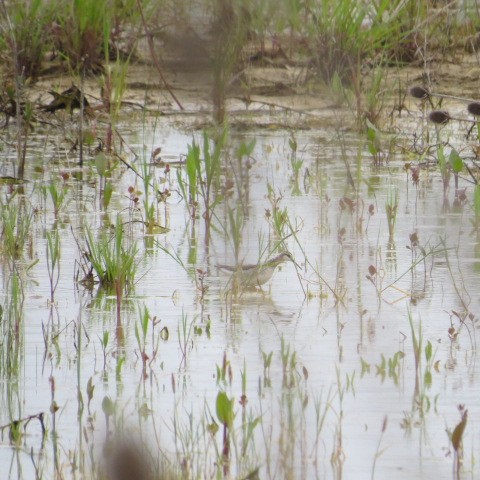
113 88
203 169
28 39
114 262
343 34
278 425
83 34
58 195
17 219
12 328
53 260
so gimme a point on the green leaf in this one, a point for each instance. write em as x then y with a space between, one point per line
101 163
428 379
108 406
90 388
456 161
293 144
107 194
476 200
224 409
428 351
371 134
193 158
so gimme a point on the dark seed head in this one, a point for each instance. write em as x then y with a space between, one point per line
439 116
474 108
419 92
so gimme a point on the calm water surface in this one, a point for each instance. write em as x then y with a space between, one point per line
344 328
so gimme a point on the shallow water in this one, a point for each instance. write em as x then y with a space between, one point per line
328 312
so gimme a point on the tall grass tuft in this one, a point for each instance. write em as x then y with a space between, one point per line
114 263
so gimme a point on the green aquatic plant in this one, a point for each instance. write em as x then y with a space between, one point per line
141 332
391 207
277 216
236 224
53 261
203 168
83 33
342 34
225 415
114 262
16 232
295 162
185 330
104 340
111 258
11 327
113 89
26 35
58 195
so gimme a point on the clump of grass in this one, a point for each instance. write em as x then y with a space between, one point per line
16 233
111 259
28 36
343 34
11 327
114 263
82 32
203 176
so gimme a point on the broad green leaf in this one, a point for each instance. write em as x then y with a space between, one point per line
224 409
101 163
456 161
